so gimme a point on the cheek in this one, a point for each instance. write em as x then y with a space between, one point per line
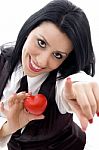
24 54
28 47
32 50
55 64
23 59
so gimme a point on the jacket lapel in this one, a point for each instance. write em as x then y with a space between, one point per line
4 74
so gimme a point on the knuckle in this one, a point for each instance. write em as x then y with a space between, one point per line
93 106
77 85
85 107
87 111
94 84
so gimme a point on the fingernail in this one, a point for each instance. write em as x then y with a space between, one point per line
68 79
30 93
97 114
90 120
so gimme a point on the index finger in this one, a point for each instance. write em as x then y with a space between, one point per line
69 92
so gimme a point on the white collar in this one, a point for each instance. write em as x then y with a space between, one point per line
13 84
34 83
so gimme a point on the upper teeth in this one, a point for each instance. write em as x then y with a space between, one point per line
36 67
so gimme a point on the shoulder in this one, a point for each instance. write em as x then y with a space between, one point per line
7 49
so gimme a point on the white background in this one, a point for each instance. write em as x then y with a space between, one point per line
13 13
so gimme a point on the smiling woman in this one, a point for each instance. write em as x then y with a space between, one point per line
54 54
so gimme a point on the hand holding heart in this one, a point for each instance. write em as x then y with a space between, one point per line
17 116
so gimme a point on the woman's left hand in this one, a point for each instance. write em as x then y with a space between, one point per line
83 98
16 114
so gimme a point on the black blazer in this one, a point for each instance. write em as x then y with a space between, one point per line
6 51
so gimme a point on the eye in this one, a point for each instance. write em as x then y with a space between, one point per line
58 55
41 43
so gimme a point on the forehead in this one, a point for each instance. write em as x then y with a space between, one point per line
53 35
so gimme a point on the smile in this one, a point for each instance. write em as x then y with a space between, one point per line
33 66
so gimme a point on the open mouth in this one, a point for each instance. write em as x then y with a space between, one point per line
33 66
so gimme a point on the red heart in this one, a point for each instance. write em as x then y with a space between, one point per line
35 104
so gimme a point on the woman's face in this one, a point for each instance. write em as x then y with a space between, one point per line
45 49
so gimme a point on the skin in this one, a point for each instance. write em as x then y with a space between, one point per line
17 116
40 43
43 51
47 40
83 99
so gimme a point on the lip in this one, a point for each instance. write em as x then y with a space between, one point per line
33 66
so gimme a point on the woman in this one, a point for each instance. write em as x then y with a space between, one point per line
53 44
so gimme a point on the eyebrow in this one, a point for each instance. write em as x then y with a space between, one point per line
49 45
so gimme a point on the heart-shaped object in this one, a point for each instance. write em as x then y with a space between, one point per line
35 104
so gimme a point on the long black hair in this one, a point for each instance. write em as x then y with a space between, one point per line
71 20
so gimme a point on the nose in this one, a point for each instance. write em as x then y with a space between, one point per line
43 59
